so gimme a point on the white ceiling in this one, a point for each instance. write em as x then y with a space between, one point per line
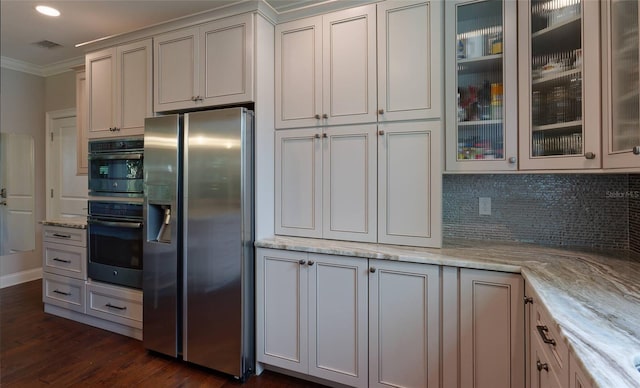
86 20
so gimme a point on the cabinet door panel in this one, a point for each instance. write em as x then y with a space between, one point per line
228 48
404 325
299 183
134 86
101 78
409 82
409 184
349 66
338 319
491 329
281 286
176 69
298 73
349 183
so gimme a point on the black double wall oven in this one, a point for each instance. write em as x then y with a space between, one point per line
115 224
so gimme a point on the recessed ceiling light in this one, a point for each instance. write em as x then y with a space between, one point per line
43 9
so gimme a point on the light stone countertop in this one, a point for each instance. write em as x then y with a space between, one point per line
76 223
593 295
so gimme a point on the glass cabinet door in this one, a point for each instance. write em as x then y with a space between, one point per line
481 72
558 66
622 142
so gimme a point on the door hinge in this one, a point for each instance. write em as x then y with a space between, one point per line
51 193
51 135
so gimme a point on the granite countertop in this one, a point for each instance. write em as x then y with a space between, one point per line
76 223
593 295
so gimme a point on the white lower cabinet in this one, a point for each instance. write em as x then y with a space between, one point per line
312 314
63 292
113 303
404 324
492 329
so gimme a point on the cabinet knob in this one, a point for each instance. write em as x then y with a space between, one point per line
317 136
111 129
528 299
513 160
381 132
542 366
193 98
302 262
590 155
200 98
311 262
317 116
372 269
636 150
325 116
324 135
380 111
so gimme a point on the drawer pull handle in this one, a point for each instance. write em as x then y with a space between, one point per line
61 260
61 235
116 307
542 366
543 333
62 292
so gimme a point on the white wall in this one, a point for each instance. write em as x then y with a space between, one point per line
60 91
22 110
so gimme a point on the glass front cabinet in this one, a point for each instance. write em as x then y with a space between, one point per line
559 89
481 69
621 110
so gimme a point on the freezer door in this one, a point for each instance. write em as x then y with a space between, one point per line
218 165
160 234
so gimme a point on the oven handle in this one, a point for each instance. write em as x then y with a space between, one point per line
135 156
131 225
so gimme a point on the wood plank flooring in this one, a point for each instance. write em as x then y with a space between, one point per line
39 349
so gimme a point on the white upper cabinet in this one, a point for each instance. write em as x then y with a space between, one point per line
559 99
119 90
621 85
409 60
211 64
326 183
482 85
410 184
326 69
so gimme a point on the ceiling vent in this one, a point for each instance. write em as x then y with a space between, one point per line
47 44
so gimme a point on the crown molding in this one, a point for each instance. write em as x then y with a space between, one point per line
41 71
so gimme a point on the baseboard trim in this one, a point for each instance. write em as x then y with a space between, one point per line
20 277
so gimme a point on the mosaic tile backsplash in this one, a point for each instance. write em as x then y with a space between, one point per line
634 212
587 210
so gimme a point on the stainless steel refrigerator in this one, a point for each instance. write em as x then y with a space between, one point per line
198 238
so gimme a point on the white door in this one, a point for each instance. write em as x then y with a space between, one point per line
227 73
338 319
349 66
409 56
491 329
410 184
282 309
404 324
349 183
176 59
298 178
67 191
17 221
298 73
133 94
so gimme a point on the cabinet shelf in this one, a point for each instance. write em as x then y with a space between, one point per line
551 79
480 64
561 28
478 122
557 126
564 36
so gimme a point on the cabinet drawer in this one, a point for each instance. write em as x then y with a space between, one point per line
546 331
66 260
113 303
64 292
69 236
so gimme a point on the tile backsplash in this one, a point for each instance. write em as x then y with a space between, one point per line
588 210
634 212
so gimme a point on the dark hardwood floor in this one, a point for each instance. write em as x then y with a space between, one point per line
39 349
